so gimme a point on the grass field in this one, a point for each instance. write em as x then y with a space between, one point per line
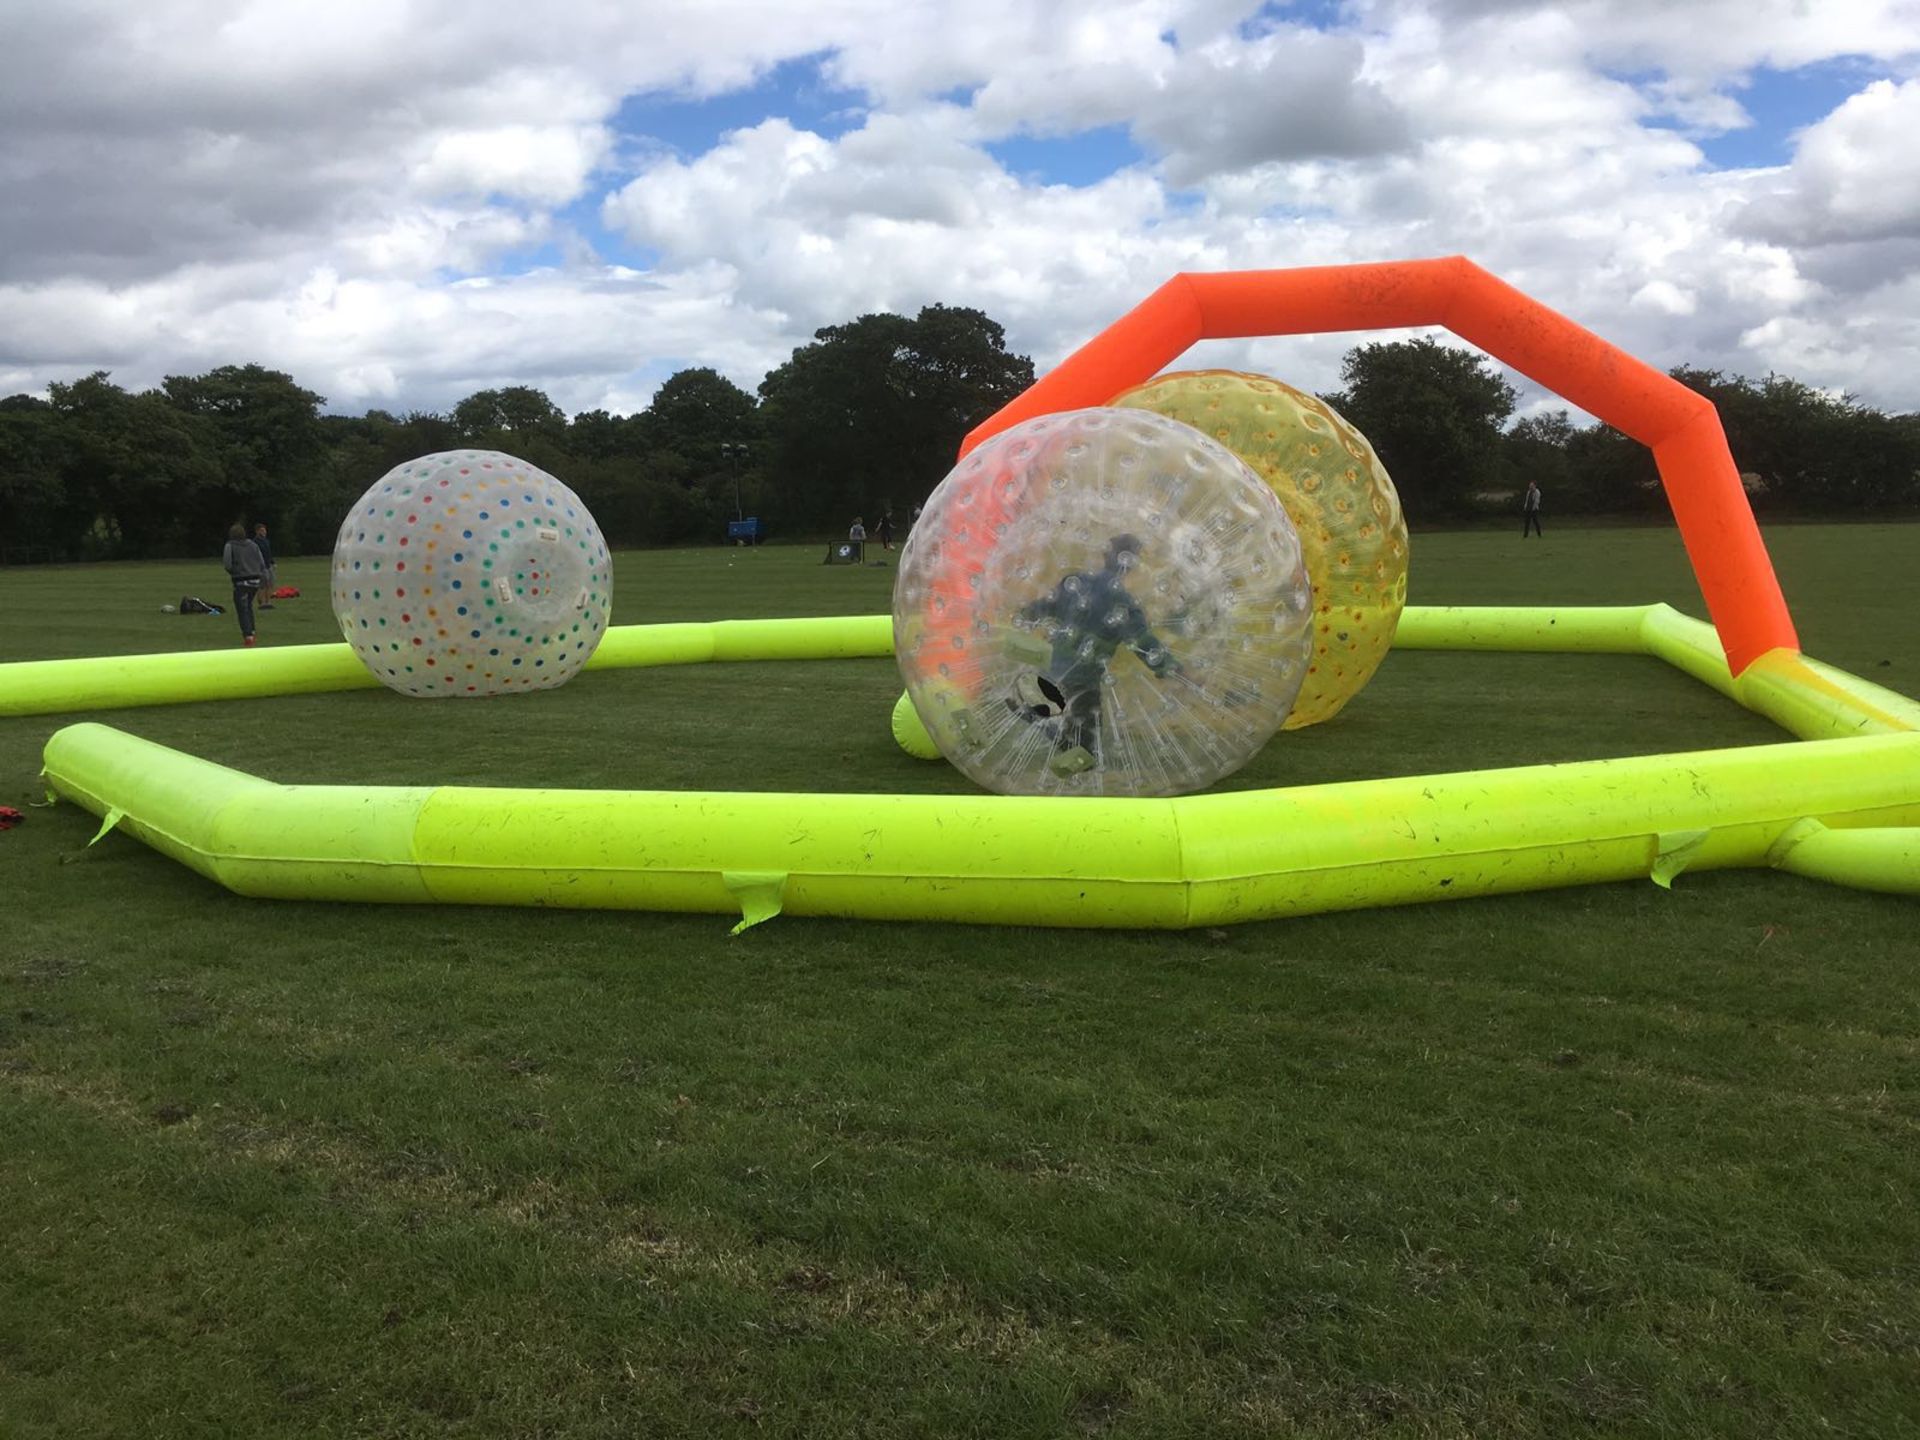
1609 1161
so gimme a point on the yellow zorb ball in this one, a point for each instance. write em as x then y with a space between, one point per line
1339 498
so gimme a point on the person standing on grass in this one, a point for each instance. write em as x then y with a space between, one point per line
266 562
1530 511
242 562
886 529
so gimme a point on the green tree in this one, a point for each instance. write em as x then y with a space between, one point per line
959 372
1613 473
267 442
698 439
146 476
694 413
516 413
1434 415
359 450
1537 449
267 434
872 413
597 435
36 522
1814 452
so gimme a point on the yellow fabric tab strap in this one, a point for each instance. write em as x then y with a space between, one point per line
1676 852
113 817
760 893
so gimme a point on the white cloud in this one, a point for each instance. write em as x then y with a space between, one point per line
1852 177
338 189
1665 298
1698 40
544 164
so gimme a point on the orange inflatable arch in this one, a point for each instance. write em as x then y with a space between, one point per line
1681 427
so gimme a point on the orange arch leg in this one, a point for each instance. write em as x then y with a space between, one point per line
1682 428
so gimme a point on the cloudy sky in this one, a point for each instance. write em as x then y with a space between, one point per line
402 201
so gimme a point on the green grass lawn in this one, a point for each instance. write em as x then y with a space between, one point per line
1598 1161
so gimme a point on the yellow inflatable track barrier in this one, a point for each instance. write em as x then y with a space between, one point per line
1837 808
43 687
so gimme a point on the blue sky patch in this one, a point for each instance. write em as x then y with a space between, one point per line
583 218
1781 102
1083 159
1320 14
521 262
796 90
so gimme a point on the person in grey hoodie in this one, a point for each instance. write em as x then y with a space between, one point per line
242 561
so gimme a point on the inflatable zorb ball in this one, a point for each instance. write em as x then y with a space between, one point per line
1102 602
471 573
1341 502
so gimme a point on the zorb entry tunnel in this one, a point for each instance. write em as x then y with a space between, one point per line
1840 802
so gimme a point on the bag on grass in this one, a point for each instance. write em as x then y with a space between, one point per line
194 605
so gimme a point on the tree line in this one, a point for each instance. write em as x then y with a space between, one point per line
865 417
1439 418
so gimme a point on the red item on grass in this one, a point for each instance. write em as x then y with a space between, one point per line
9 817
285 592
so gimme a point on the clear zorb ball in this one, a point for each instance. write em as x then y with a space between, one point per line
471 573
1102 602
1340 499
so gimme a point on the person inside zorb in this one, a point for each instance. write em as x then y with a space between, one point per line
1102 603
1088 618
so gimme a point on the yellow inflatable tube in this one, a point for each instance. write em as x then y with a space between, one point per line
1802 696
42 687
1199 860
1838 808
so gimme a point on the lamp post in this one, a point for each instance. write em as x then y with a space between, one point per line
733 452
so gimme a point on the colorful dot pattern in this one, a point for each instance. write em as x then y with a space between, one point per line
468 573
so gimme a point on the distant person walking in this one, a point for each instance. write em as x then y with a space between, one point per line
266 560
886 529
243 564
1530 512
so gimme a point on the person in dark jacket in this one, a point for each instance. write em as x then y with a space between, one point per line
244 565
266 560
1090 617
1530 511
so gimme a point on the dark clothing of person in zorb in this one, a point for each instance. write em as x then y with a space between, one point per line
1091 617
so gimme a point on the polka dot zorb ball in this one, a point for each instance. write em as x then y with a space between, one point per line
471 573
1340 499
1101 602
